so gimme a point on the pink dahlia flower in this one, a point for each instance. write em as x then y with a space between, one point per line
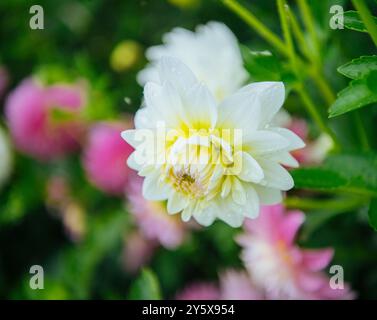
237 285
234 285
152 218
278 266
32 111
105 157
199 291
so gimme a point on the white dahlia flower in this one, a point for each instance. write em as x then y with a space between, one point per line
210 160
212 53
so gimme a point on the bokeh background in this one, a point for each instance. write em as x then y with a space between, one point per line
89 244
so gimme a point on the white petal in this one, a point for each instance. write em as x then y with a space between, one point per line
203 51
251 210
176 73
282 119
144 119
176 203
132 137
149 74
295 142
229 212
234 219
146 170
153 189
275 176
253 106
238 192
226 187
250 169
271 96
217 174
205 217
240 110
200 109
187 213
132 163
164 103
220 33
284 158
265 141
268 196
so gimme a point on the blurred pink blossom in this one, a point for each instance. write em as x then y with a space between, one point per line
57 191
237 285
152 218
315 150
199 291
30 110
137 251
300 127
61 203
278 266
234 285
105 156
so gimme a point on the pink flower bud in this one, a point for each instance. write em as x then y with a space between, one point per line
43 120
105 157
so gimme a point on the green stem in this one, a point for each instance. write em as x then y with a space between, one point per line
312 110
367 18
323 85
363 137
310 26
337 205
283 13
315 70
299 35
287 49
257 25
279 45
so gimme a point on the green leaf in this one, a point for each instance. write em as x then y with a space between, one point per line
358 68
261 65
355 173
77 266
317 178
18 199
372 213
372 81
360 170
146 287
352 21
314 221
359 93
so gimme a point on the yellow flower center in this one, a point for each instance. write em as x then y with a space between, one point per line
187 184
198 161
